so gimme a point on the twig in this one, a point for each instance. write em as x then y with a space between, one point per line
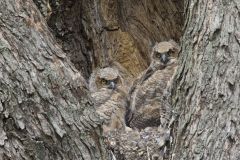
113 156
148 154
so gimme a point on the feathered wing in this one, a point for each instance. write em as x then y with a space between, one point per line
113 111
147 108
147 117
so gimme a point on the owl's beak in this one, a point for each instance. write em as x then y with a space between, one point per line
164 58
112 85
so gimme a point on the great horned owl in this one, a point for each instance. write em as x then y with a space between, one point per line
146 107
109 95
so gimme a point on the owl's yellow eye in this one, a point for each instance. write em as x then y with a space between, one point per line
157 54
104 81
170 52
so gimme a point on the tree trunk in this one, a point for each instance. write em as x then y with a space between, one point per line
45 110
206 87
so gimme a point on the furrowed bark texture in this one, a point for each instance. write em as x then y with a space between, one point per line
206 91
96 33
45 111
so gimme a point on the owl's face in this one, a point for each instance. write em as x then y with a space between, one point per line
107 83
108 78
164 52
164 57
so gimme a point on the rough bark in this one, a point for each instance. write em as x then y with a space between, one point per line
45 110
206 89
